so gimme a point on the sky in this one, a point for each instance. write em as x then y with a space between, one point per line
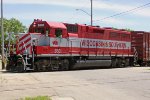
65 11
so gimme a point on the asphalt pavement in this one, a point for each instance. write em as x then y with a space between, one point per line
132 83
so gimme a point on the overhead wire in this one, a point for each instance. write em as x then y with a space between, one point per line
124 12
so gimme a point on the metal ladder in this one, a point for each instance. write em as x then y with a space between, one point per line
135 56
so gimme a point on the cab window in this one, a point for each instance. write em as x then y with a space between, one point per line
40 30
58 32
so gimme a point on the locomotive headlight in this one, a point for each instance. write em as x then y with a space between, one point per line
34 24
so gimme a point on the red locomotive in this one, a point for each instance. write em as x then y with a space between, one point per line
63 46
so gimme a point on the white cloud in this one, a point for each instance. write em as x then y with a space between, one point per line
80 17
111 6
116 22
67 16
143 12
73 18
71 3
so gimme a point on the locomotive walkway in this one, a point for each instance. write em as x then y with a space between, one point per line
130 83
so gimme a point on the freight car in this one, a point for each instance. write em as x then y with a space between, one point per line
63 46
141 47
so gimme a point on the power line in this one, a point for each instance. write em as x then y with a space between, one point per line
124 12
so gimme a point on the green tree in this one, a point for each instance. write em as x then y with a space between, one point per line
14 26
128 29
11 26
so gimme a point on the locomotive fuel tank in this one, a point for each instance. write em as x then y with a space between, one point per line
92 63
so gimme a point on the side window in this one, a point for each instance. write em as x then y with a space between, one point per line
72 28
58 32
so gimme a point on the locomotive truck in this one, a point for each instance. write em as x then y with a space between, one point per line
63 46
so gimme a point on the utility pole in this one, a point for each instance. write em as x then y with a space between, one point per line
91 12
2 35
9 45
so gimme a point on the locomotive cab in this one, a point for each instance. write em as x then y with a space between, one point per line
50 36
50 29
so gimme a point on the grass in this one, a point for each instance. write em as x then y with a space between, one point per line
37 98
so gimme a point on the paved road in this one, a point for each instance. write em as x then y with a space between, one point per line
99 84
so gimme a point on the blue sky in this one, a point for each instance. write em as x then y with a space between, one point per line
65 11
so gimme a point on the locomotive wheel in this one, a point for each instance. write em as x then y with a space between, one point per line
114 63
120 63
65 65
8 66
126 64
20 68
36 68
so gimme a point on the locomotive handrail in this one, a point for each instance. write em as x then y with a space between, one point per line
26 58
25 47
34 43
74 40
